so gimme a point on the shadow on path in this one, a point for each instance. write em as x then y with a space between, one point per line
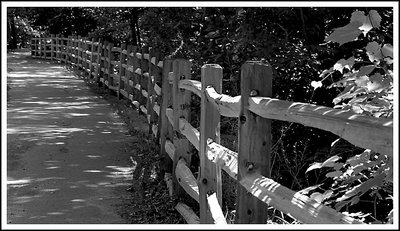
67 161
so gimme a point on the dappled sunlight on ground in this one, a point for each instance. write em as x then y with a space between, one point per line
76 158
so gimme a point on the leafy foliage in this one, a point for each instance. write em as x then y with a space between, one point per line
365 80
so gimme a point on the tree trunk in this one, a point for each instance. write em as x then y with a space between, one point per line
13 44
135 39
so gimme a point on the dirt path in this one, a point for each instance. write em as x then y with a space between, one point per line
66 157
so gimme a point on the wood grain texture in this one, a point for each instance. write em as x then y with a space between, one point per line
254 141
210 173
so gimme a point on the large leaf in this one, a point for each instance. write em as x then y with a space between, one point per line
344 63
334 174
365 70
361 81
387 52
375 18
374 51
345 34
327 163
372 20
361 158
362 188
358 16
305 191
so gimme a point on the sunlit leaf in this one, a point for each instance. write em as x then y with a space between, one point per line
363 157
375 18
365 70
325 72
327 194
362 188
388 60
345 34
308 189
358 16
355 200
317 197
387 53
374 51
344 63
334 174
357 109
316 84
361 81
327 163
334 142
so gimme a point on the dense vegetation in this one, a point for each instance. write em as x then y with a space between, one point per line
336 57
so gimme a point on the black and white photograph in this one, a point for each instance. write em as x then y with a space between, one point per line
199 115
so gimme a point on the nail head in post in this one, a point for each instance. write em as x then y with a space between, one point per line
204 181
250 166
242 119
254 93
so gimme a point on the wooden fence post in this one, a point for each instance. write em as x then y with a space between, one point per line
52 47
67 50
181 106
33 47
144 66
156 73
150 92
136 93
42 47
166 129
102 62
129 71
98 61
210 174
108 68
79 58
58 51
254 141
122 70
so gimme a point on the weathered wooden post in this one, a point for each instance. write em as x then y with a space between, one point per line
52 47
166 129
129 71
150 92
67 51
254 141
58 51
33 47
181 106
98 61
143 79
100 72
79 49
135 83
108 67
210 174
92 60
122 70
157 73
42 47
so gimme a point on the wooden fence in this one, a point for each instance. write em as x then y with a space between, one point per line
161 89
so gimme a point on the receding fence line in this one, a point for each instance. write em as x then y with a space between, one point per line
161 89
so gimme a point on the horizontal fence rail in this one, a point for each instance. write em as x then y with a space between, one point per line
161 90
